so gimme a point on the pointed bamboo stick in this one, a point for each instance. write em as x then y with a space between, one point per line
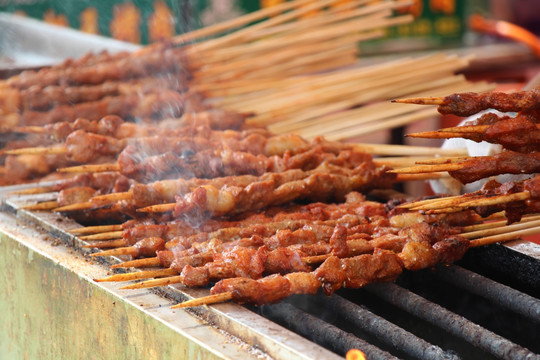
43 206
389 150
444 160
428 168
425 202
475 129
103 236
75 207
127 250
106 244
514 235
238 21
501 229
447 202
420 177
492 224
52 150
137 275
494 200
473 201
435 135
113 197
205 300
154 283
34 191
421 101
158 208
398 161
95 229
30 129
138 263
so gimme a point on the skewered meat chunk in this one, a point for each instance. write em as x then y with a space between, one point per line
133 106
506 162
165 59
75 195
334 273
105 182
42 99
467 104
317 186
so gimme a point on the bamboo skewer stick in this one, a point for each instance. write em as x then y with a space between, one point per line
239 21
348 131
103 236
421 101
444 160
476 129
374 72
501 229
420 177
494 200
334 88
420 203
407 150
110 198
75 207
34 191
398 161
435 135
276 20
161 208
106 244
51 150
137 275
429 168
383 125
154 283
138 263
337 113
95 229
334 15
43 206
472 201
30 129
499 223
206 300
514 235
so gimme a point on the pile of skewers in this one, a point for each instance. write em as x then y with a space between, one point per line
276 67
517 133
222 177
263 216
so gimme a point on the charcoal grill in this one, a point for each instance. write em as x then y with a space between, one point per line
484 307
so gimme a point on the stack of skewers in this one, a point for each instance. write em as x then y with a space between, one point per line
517 134
205 192
264 219
283 70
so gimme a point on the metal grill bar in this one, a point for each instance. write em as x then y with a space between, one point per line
384 330
500 294
322 332
450 322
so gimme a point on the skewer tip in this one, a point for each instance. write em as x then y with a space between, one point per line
420 101
206 300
